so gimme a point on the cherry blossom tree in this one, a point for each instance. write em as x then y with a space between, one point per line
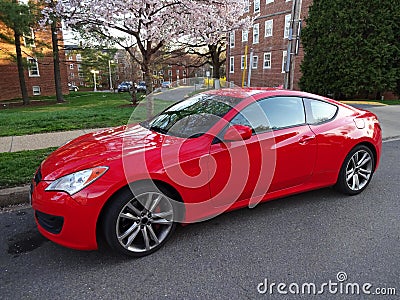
149 25
207 38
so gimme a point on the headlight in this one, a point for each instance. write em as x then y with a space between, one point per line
77 181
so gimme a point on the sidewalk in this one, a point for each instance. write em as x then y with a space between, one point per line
39 141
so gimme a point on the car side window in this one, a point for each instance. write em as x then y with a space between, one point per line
254 117
284 112
272 114
319 111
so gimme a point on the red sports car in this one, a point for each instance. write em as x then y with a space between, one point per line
216 151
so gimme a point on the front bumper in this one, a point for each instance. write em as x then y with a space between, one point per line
63 220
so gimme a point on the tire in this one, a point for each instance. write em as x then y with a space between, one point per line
139 224
356 171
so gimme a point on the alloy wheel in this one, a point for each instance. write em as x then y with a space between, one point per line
144 222
359 170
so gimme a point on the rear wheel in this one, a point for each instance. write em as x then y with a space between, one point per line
138 224
356 171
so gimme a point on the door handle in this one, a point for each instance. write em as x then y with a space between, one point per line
305 139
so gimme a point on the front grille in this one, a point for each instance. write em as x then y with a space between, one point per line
38 176
52 224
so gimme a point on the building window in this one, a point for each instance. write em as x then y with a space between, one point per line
246 5
270 1
71 75
245 35
255 62
256 6
284 59
243 62
177 72
267 60
33 67
269 25
80 75
80 68
70 57
232 64
287 26
71 66
29 40
256 33
36 90
232 39
78 57
169 72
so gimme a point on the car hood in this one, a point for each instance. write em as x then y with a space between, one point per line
102 148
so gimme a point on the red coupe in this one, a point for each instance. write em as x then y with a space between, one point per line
214 152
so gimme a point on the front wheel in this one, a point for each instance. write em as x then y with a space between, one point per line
139 223
356 172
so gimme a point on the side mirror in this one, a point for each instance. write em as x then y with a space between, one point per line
238 133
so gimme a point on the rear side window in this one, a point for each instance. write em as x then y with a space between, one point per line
319 111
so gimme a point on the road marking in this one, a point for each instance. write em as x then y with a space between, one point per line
392 139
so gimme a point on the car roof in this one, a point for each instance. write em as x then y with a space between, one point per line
261 92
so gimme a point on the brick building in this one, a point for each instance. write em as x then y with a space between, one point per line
177 70
125 68
263 48
73 65
39 72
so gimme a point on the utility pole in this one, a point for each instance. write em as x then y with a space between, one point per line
110 75
293 44
250 67
245 66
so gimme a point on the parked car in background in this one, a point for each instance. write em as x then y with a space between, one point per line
124 86
141 87
166 84
72 87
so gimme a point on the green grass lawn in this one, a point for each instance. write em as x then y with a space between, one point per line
390 102
81 110
18 167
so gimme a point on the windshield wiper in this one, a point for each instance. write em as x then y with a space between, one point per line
158 129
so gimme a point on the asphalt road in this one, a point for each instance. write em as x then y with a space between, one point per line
388 116
174 94
308 238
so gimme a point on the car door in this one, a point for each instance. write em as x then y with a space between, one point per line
280 154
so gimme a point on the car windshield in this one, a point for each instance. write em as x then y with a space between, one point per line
192 117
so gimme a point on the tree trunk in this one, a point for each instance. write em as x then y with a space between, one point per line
215 61
56 62
133 96
20 66
149 91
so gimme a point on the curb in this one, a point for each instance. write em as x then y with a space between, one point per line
14 196
364 102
